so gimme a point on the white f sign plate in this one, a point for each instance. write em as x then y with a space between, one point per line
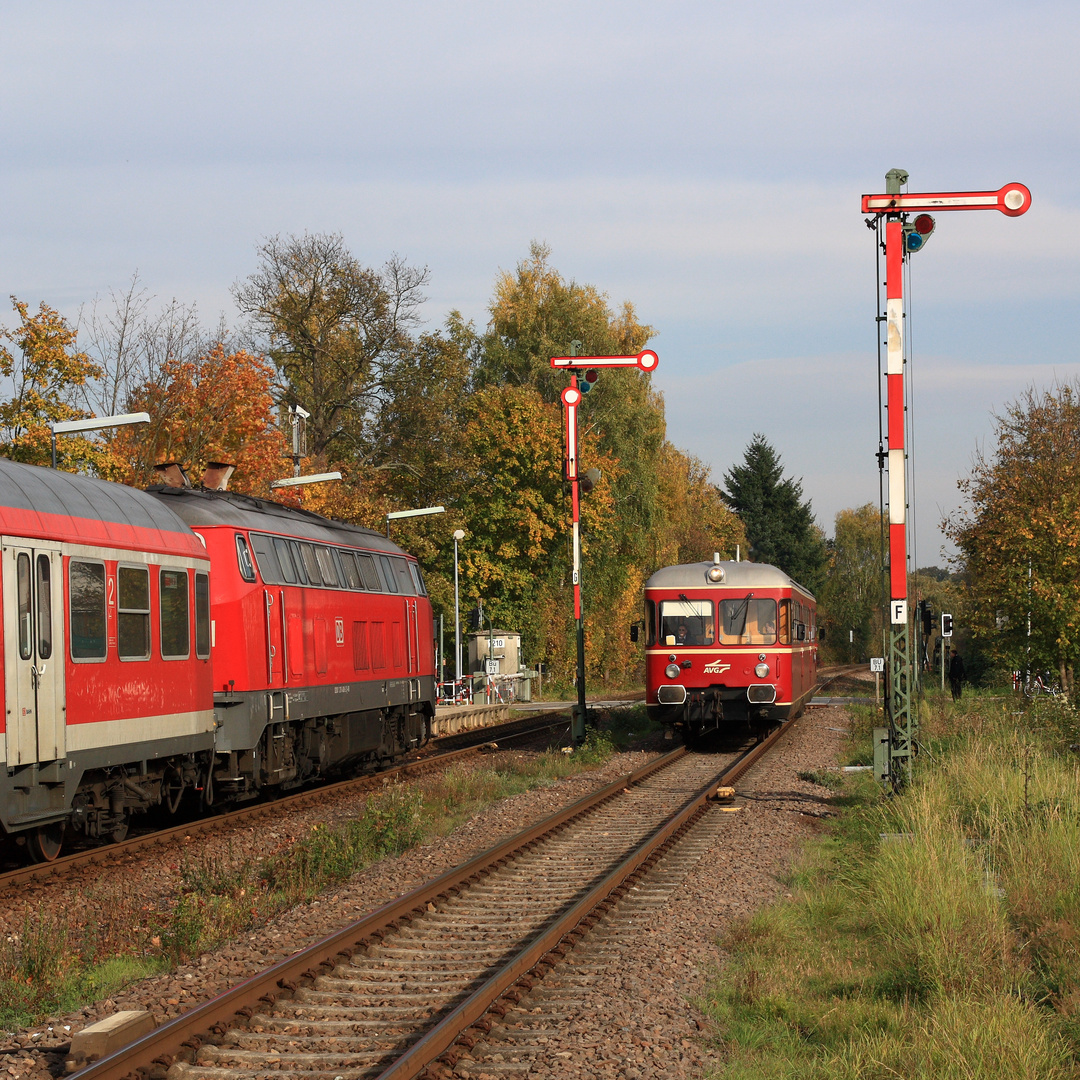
898 608
877 663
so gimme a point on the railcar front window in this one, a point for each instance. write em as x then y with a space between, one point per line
133 612
749 621
86 590
687 622
175 632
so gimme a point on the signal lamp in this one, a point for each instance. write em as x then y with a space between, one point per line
917 232
588 379
590 480
946 624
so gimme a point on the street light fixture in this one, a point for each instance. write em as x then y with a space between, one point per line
93 423
297 481
459 534
424 510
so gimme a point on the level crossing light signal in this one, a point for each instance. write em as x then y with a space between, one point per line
917 232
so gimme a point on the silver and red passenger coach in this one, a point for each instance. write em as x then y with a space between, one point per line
727 643
188 643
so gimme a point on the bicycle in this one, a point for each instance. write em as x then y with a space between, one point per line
1039 685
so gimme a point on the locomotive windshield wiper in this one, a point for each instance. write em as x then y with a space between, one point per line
730 628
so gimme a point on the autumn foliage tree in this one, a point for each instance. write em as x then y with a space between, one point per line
218 407
1019 534
45 370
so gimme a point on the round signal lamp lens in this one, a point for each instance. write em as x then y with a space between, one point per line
924 224
914 241
592 375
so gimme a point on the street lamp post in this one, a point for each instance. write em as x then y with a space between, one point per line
94 423
459 534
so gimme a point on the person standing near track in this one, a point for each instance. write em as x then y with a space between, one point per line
956 674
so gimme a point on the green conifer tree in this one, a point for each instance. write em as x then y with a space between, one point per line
779 522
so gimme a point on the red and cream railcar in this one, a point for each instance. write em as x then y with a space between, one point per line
727 642
106 638
323 641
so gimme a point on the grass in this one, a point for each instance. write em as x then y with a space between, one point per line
950 950
60 961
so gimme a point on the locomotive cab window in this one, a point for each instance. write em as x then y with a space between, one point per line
285 561
418 580
133 612
352 574
266 557
327 571
687 622
243 558
86 592
175 629
748 621
387 574
404 578
370 574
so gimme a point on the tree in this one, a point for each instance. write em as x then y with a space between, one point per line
852 598
779 524
334 329
218 407
1019 533
46 372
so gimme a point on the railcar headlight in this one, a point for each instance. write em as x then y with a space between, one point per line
762 671
715 573
672 671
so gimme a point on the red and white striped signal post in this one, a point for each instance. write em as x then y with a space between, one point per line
901 239
646 360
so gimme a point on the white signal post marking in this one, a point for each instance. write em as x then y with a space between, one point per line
1012 199
646 360
571 397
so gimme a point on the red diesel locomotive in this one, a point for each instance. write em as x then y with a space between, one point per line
189 642
726 643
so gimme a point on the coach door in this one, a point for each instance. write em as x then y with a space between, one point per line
34 653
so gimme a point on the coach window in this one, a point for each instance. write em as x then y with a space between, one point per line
202 616
285 562
326 566
86 591
370 574
243 557
133 612
348 564
266 557
26 633
311 564
175 632
44 607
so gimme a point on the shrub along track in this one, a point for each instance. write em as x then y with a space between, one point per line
436 755
391 994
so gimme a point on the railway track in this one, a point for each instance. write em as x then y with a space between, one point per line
438 754
391 995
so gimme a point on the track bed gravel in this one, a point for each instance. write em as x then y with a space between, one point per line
632 1014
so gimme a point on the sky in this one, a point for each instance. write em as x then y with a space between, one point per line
703 160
